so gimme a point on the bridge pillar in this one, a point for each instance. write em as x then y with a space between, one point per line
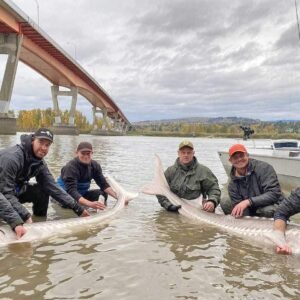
59 127
105 126
10 44
115 121
125 128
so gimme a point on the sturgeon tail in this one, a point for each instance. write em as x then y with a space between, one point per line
159 184
120 190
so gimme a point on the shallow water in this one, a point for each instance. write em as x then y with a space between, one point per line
145 252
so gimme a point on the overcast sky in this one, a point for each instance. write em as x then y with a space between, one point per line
164 59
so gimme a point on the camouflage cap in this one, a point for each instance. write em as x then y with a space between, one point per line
186 143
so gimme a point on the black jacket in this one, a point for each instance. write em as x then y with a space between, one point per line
289 206
17 166
260 185
76 175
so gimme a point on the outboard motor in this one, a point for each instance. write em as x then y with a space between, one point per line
247 132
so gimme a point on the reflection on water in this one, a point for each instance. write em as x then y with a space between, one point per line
146 252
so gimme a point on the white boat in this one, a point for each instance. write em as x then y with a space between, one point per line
283 155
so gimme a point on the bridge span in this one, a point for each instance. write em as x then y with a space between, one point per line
23 40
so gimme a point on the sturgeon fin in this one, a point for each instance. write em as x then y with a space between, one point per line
159 184
120 190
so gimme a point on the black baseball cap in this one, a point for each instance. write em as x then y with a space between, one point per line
85 146
44 133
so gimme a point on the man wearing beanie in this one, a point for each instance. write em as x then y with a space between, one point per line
77 174
189 180
17 165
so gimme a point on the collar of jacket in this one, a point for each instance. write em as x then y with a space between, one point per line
250 170
82 164
189 167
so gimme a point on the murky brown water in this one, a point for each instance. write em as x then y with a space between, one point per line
145 253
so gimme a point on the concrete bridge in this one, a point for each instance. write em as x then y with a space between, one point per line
23 40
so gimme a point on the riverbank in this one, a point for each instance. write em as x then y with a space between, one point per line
295 136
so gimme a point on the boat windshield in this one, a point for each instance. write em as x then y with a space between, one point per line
287 144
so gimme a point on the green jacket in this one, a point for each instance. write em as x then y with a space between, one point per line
189 182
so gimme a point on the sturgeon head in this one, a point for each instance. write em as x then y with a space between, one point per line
43 230
254 228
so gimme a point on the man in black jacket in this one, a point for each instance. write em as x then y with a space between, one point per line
286 209
254 188
77 174
17 165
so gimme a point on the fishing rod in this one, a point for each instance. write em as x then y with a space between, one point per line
297 19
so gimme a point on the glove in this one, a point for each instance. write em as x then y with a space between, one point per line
173 208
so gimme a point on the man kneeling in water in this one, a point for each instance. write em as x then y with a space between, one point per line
254 188
20 163
77 174
189 180
287 208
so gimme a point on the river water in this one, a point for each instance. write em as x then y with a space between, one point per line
145 252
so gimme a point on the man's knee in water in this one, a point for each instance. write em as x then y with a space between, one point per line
267 211
226 205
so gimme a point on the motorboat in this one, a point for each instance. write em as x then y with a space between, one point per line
283 155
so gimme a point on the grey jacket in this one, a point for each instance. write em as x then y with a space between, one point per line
289 207
189 182
17 166
260 185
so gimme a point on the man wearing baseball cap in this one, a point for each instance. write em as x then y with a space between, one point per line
77 174
189 179
253 188
20 163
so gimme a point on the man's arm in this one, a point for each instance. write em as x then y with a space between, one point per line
99 177
210 187
271 192
12 211
8 214
239 204
287 208
46 180
164 201
69 176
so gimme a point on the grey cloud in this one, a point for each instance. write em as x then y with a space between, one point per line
176 58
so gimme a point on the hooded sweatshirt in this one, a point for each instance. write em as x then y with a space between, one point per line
17 165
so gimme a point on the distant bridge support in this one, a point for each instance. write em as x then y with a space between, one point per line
116 123
105 126
125 128
59 127
10 45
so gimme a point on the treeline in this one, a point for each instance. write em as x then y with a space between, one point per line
262 129
30 120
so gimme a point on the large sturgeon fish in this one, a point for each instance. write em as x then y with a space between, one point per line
254 228
43 230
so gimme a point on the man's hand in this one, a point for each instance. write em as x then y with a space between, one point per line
173 208
96 205
238 210
279 230
20 230
209 206
284 249
85 213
